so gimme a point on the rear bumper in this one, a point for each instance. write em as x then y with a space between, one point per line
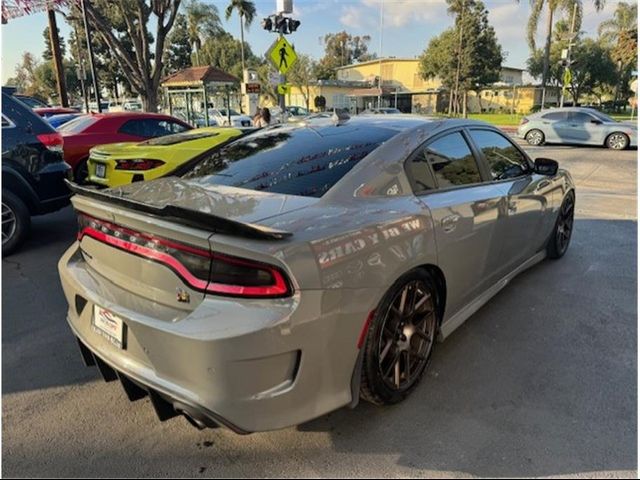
250 365
166 404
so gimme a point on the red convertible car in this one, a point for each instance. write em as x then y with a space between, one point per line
87 131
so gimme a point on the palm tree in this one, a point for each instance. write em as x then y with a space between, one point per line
247 12
553 6
202 19
625 19
618 33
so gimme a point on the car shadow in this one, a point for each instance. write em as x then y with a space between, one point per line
542 381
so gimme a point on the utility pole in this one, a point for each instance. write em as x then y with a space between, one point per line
81 72
54 39
459 66
568 59
92 63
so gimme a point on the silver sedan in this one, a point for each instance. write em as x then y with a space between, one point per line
303 267
580 126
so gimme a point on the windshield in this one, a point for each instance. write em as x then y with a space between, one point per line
78 125
294 161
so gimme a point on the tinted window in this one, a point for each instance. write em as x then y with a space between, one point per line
452 161
579 117
133 127
503 158
295 161
78 125
555 116
419 172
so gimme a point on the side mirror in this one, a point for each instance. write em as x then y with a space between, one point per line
546 166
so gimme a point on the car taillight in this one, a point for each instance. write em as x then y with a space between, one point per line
138 164
201 269
524 120
53 141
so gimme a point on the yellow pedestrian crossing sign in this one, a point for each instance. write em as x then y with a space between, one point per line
567 78
284 89
282 55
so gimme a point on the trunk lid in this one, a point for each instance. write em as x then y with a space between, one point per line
153 238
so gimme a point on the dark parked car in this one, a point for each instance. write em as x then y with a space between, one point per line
33 171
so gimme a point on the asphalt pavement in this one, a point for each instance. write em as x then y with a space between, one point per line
542 381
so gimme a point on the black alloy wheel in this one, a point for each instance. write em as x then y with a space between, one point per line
559 241
400 340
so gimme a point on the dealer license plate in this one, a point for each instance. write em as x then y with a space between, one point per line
108 325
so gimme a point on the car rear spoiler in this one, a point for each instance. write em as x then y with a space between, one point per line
184 216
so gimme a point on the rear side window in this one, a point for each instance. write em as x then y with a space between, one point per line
177 138
503 158
133 127
555 116
77 125
452 161
294 161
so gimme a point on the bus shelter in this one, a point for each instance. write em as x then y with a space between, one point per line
190 93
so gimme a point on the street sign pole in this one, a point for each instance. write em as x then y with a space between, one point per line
567 71
281 98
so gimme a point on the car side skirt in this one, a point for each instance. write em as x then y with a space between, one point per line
472 307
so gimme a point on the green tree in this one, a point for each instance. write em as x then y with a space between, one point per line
552 7
593 71
178 55
203 20
620 33
465 57
47 54
126 28
301 75
247 12
625 20
342 49
225 52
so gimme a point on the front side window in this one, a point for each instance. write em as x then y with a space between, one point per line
579 117
452 161
503 158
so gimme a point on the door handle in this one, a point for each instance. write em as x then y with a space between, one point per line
543 184
450 223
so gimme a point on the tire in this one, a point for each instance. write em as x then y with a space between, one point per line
558 243
617 141
16 222
81 173
400 339
534 137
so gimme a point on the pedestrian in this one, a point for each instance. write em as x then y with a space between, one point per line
264 120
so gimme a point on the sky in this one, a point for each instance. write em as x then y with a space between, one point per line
408 25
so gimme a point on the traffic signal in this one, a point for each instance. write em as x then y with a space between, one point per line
292 25
267 24
280 24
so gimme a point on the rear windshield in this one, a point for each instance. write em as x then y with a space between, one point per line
78 125
294 161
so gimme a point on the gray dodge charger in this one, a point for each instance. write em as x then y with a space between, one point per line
301 268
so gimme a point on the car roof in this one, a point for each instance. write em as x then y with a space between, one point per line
130 115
